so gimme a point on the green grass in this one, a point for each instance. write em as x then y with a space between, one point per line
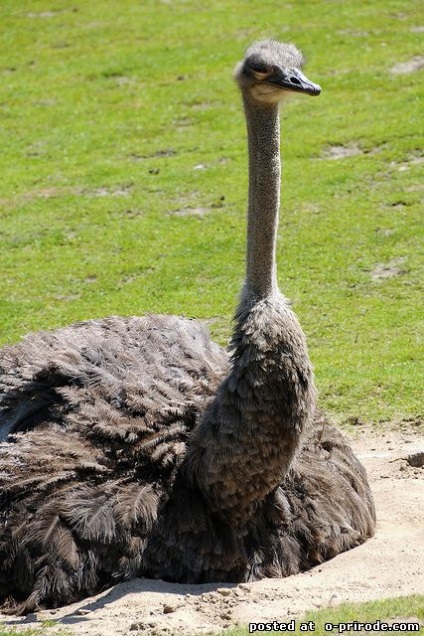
12 631
117 121
45 628
37 631
405 607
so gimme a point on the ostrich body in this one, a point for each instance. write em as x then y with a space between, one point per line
138 447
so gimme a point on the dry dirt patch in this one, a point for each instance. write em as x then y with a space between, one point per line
411 66
388 270
340 152
390 564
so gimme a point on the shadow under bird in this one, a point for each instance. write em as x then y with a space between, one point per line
136 446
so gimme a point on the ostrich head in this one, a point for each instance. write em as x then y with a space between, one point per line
270 69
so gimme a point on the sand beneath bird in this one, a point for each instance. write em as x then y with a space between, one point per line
390 564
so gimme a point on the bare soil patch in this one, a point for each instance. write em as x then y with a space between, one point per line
341 152
199 211
411 66
388 565
388 270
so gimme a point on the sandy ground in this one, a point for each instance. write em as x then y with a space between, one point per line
390 564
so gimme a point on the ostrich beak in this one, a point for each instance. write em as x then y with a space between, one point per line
295 80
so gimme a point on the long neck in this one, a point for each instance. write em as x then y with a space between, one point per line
248 436
263 131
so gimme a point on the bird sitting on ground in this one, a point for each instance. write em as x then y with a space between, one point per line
138 447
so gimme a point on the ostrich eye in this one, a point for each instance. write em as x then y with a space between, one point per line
259 68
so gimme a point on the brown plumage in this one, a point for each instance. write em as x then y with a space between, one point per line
138 447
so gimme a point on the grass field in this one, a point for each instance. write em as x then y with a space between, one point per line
124 177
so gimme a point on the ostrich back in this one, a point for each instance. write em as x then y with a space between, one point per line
116 375
98 416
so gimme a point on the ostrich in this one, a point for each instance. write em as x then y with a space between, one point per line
138 447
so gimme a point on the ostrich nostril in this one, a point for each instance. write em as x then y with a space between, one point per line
295 80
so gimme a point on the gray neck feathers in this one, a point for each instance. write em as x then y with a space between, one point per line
263 128
247 438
